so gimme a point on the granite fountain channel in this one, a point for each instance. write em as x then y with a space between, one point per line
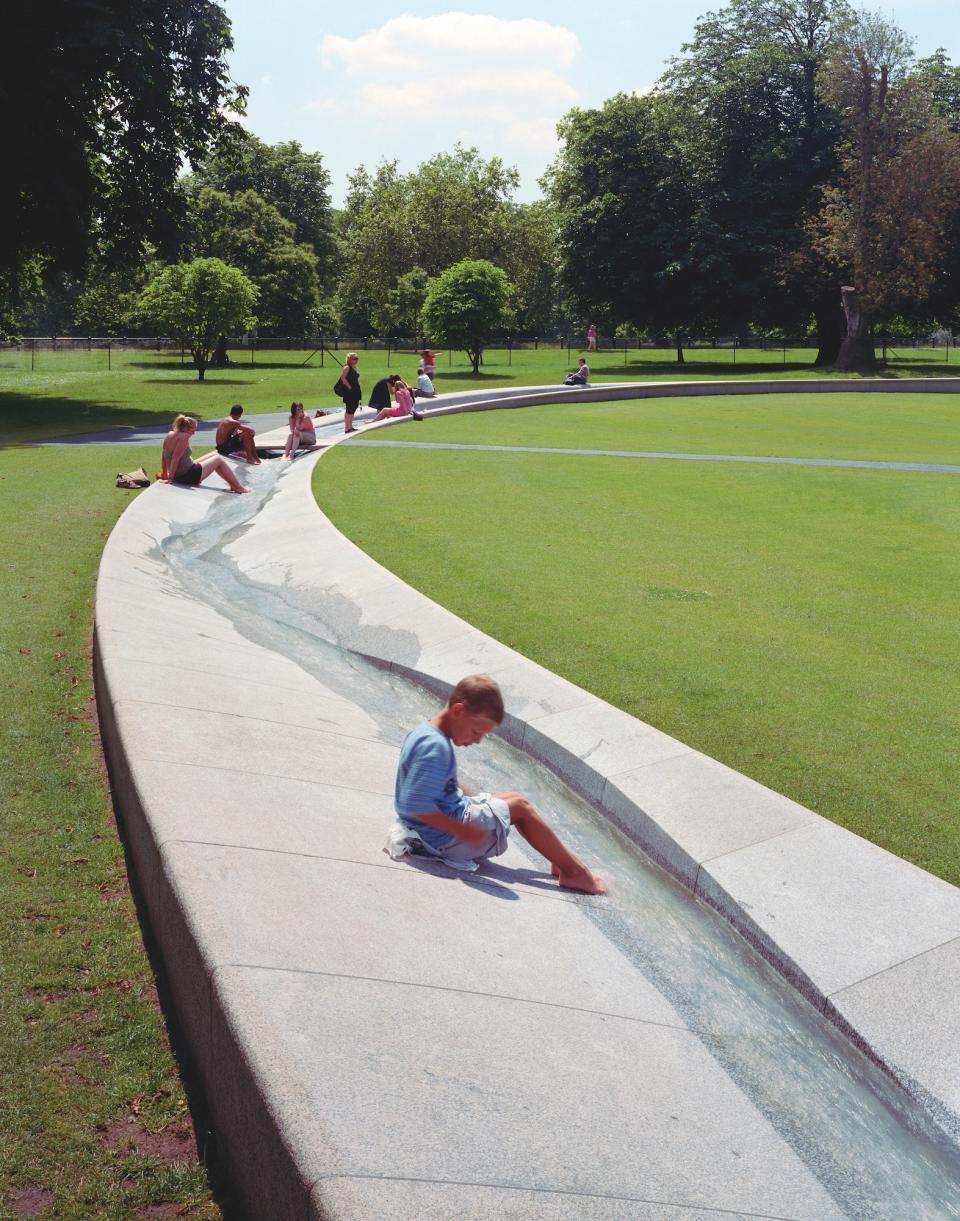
870 1146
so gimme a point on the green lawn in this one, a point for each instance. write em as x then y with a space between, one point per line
799 623
82 1042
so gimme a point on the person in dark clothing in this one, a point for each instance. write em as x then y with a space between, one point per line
380 395
351 394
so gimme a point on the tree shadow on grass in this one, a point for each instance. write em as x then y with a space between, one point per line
195 381
236 366
461 376
25 418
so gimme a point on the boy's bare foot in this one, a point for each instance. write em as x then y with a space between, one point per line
239 489
581 879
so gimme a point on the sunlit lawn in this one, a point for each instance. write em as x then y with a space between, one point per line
799 623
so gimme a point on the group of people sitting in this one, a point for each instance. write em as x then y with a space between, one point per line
391 397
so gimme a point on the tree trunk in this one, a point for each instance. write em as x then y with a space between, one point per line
830 328
856 354
679 342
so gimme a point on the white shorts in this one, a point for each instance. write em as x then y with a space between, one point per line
493 815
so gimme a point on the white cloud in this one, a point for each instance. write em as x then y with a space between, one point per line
511 78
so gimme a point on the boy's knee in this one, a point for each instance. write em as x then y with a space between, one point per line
518 805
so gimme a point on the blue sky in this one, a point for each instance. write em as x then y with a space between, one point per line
365 81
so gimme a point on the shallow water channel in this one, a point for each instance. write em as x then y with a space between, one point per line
866 1142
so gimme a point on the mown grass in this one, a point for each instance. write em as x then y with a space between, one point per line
798 623
914 427
82 1041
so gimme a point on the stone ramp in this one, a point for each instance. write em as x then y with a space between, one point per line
383 1039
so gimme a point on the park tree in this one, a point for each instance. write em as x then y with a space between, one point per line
102 100
454 206
886 217
295 182
198 301
246 231
622 190
761 143
399 314
941 79
467 305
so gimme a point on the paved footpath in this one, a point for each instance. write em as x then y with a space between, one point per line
856 463
383 1039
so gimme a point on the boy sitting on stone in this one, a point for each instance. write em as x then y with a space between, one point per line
439 817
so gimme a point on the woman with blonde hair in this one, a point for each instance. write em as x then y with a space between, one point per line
179 466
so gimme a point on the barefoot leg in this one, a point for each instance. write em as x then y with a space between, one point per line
569 870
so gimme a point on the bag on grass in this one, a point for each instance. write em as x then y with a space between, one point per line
134 479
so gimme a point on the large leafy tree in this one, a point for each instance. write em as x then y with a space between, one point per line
941 79
887 216
295 182
198 301
248 232
467 305
454 206
762 140
101 101
623 190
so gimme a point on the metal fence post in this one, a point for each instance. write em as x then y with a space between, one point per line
33 354
109 358
510 352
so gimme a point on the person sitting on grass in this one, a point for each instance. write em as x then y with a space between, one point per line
232 436
446 821
579 376
301 432
179 466
403 405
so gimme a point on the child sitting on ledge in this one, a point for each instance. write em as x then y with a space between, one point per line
437 816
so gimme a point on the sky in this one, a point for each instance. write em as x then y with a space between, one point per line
360 83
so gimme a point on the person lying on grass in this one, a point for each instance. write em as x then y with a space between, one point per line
179 466
461 827
232 436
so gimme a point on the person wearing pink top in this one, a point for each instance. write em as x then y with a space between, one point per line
403 405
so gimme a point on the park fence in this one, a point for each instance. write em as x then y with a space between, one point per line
89 353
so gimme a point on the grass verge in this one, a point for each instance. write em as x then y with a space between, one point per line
798 623
94 1116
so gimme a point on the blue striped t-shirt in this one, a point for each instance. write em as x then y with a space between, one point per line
427 782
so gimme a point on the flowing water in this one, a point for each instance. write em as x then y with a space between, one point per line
868 1144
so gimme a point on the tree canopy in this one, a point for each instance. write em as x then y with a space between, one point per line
293 181
198 301
247 232
102 100
466 305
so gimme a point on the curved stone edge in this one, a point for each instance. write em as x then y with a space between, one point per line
871 940
889 1010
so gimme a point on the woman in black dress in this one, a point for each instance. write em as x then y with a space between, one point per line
351 394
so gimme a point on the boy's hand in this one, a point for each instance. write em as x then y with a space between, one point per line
470 834
449 826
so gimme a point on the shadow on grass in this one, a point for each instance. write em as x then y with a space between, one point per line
24 418
236 366
475 378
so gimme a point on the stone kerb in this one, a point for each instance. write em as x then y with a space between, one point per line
871 940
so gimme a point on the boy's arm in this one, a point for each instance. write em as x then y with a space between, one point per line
449 826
